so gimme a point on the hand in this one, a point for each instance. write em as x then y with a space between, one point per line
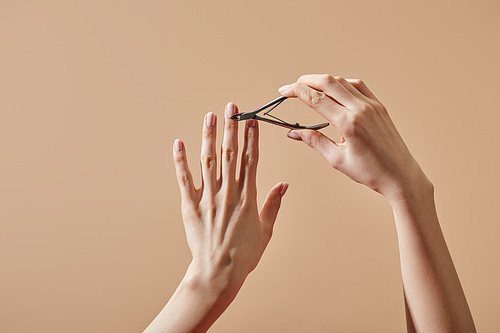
370 151
225 231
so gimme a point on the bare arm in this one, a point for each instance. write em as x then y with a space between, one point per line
434 298
226 233
373 153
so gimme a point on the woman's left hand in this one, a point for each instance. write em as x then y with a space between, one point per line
226 233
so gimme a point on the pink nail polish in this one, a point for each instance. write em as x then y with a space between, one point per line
230 109
178 145
294 136
210 119
284 187
284 88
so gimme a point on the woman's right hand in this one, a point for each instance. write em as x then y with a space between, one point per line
370 150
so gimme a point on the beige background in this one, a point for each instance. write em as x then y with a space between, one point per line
93 94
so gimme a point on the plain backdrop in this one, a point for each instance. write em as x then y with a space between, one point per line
93 94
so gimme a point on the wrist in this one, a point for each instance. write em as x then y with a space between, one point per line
217 285
197 302
416 188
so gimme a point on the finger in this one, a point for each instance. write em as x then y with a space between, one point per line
250 156
229 146
317 100
272 204
208 155
319 142
184 177
348 86
362 88
332 87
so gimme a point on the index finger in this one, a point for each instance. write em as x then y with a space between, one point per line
332 86
318 100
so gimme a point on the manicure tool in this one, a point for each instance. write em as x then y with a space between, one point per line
277 121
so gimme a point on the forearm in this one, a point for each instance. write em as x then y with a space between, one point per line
196 304
434 297
372 152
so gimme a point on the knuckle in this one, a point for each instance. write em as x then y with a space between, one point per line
178 159
383 110
339 78
184 180
228 154
365 108
313 140
310 140
208 209
356 83
302 78
251 159
315 97
212 211
352 125
327 79
208 133
244 200
252 134
208 161
230 124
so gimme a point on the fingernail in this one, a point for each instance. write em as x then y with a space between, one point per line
178 145
210 119
284 88
284 187
294 136
251 123
230 109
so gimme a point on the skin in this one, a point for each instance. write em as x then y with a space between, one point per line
226 233
372 152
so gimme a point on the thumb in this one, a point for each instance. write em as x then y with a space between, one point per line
319 142
272 204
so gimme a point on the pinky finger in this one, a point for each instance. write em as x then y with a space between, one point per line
362 88
184 177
